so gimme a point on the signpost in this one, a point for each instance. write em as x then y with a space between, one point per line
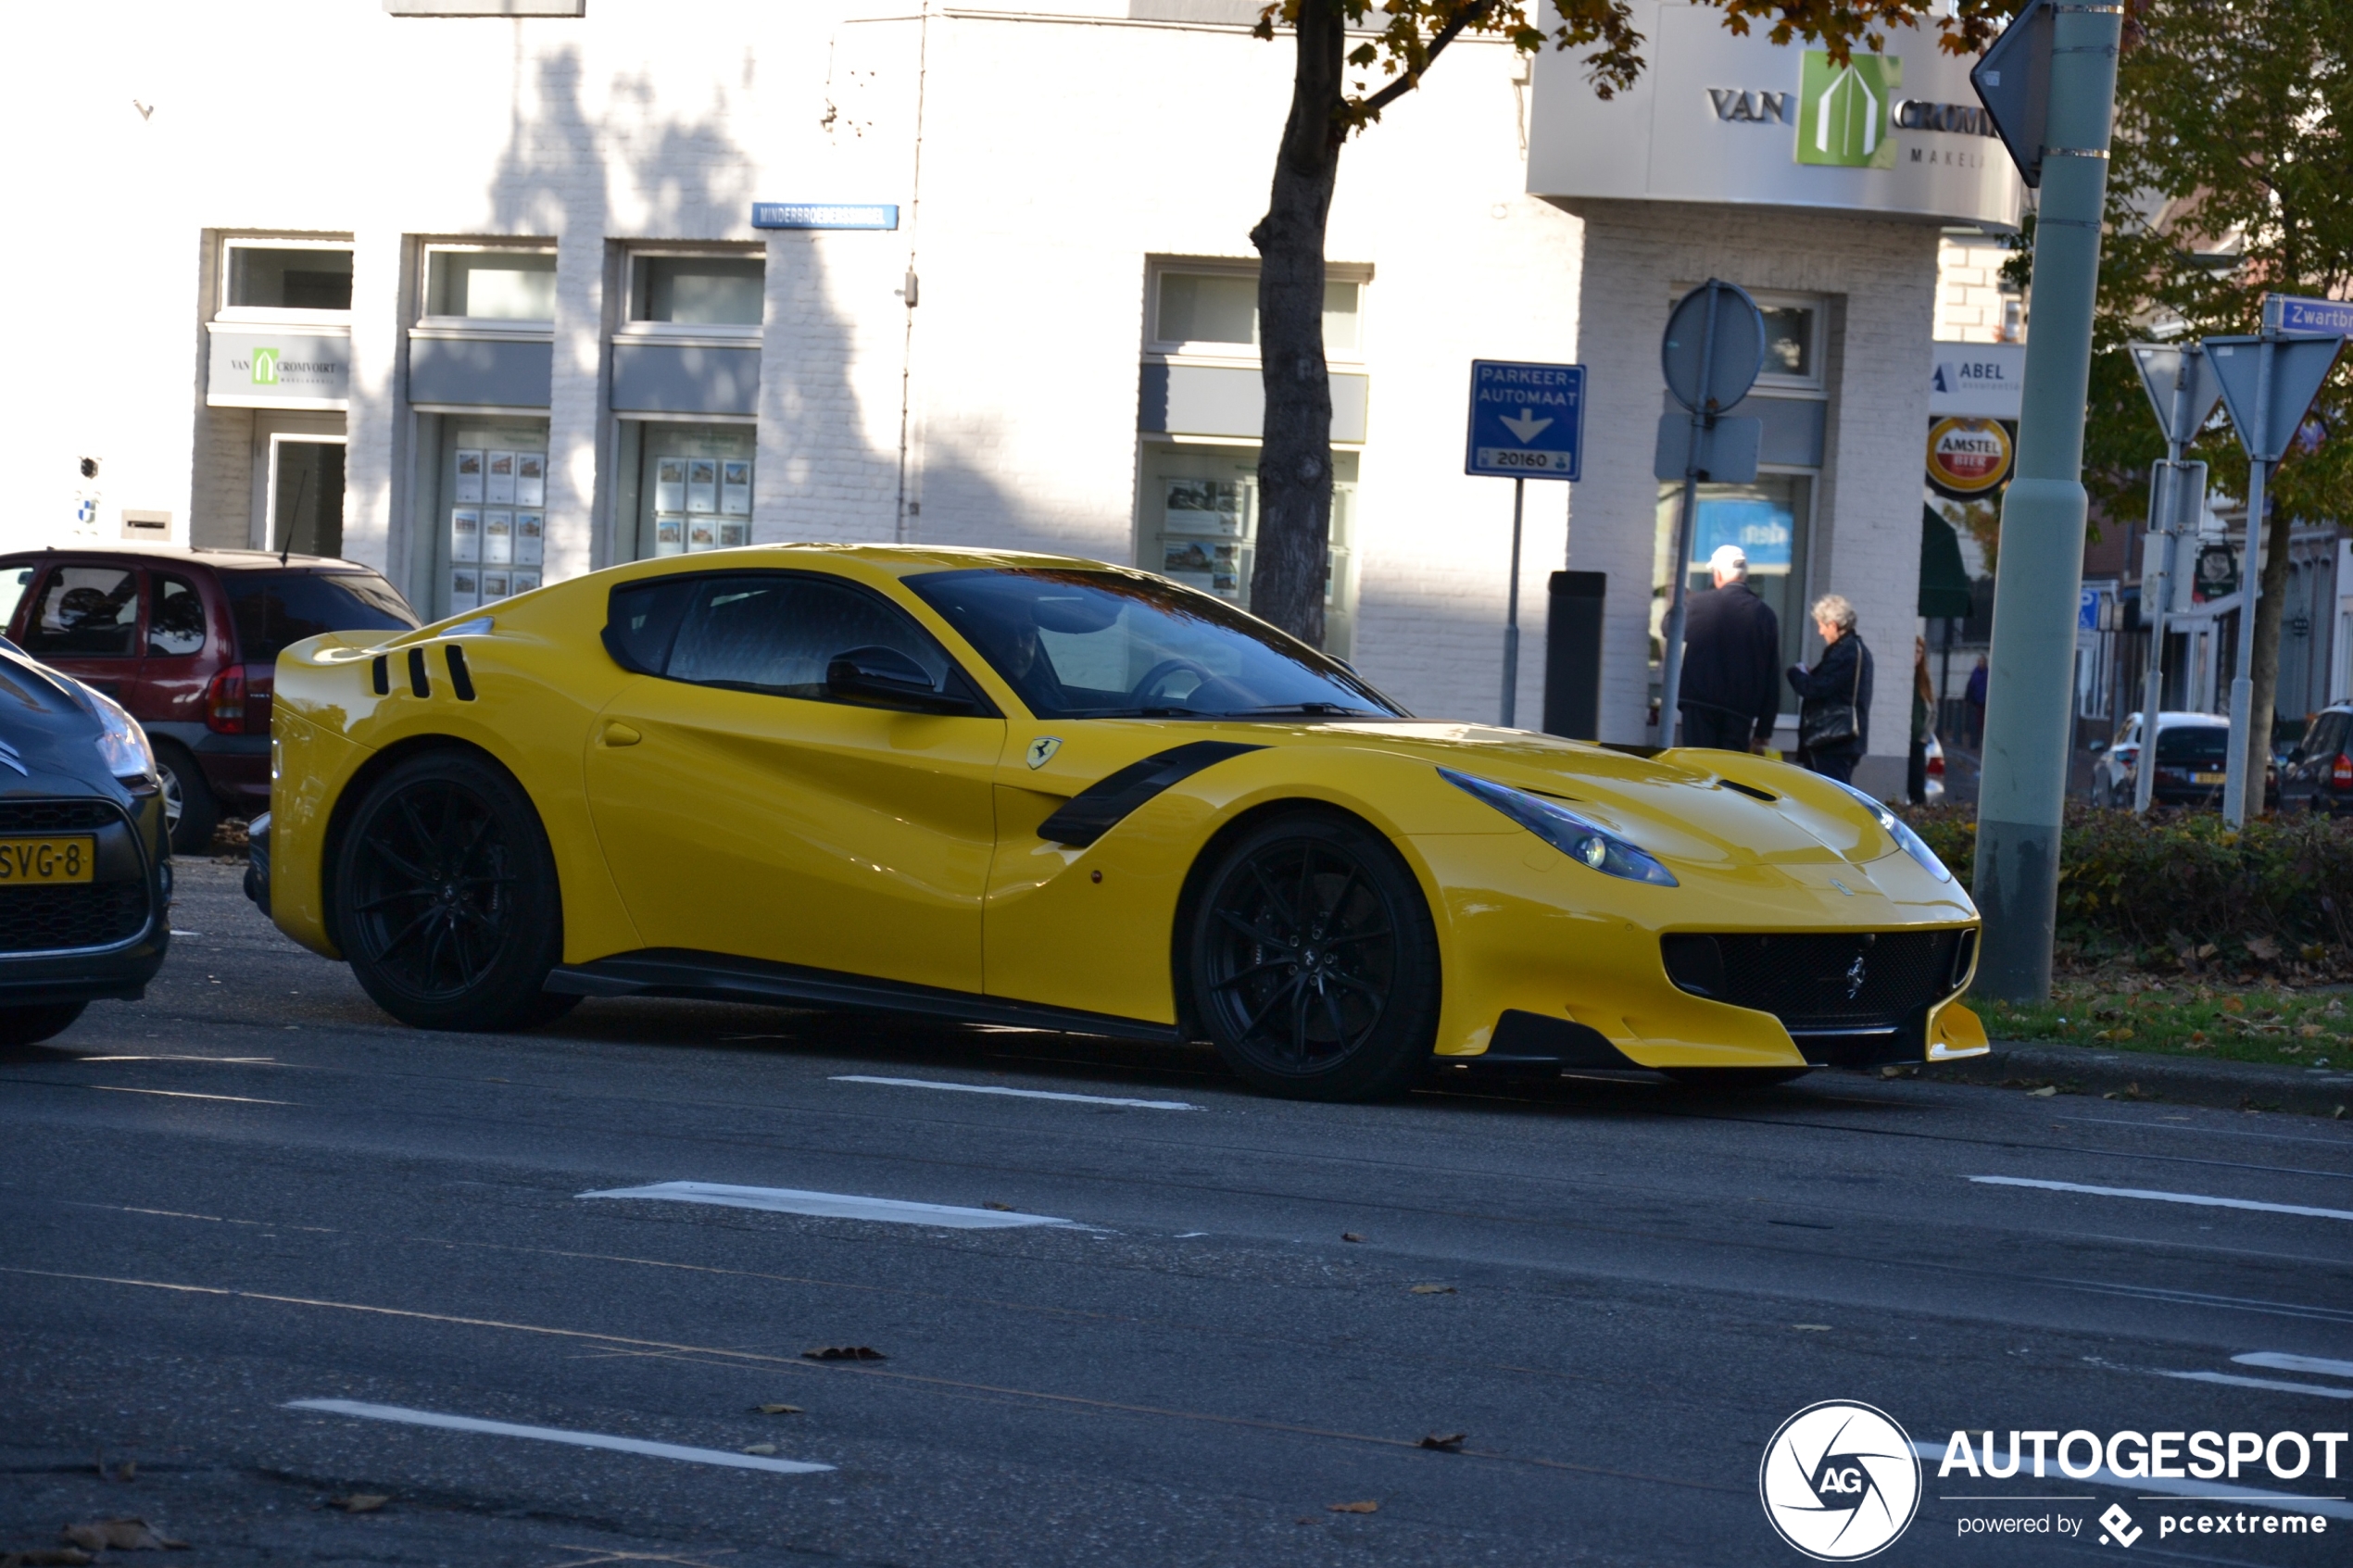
2267 382
2182 387
2049 83
1526 421
1713 349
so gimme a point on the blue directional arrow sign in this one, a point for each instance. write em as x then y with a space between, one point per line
1526 421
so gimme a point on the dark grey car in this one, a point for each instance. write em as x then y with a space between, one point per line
85 868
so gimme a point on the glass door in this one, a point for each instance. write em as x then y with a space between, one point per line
306 496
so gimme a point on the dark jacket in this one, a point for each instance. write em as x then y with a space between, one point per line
1732 646
1833 682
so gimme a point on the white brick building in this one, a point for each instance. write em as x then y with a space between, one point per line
527 241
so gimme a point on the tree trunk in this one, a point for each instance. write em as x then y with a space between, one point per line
2265 672
1295 458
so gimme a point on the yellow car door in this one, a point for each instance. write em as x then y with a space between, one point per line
750 803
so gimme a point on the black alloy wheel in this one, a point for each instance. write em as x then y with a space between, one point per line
190 813
1313 963
446 898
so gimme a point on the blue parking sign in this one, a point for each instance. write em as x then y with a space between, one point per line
1526 421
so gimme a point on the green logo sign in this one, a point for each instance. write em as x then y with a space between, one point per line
1843 111
265 367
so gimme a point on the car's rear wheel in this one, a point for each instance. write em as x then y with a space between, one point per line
1315 967
190 813
1733 1080
30 1025
445 897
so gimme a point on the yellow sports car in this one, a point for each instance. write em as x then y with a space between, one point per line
1018 789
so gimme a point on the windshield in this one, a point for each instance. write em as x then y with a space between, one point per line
273 609
1080 643
2190 745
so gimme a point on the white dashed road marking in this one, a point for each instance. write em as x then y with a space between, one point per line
2278 1361
2225 1378
2154 1195
834 1206
556 1435
1017 1094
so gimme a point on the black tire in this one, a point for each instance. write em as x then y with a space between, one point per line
1313 965
1733 1080
190 813
446 899
28 1026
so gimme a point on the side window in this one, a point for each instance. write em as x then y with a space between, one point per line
777 634
84 612
176 621
2328 737
13 583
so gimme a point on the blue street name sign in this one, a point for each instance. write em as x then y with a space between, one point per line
1526 421
2333 316
822 215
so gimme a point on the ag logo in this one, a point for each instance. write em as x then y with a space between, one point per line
1840 1481
265 367
1042 749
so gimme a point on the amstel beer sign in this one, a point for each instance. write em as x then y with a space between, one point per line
1967 457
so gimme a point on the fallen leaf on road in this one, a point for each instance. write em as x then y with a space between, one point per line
2045 1092
2311 1030
844 1353
1432 1290
358 1502
1811 1327
1352 1507
1000 1208
775 1409
123 1535
1350 1235
761 1449
1450 1444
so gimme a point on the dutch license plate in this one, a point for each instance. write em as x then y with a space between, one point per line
2208 778
47 859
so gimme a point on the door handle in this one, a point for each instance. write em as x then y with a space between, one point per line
622 735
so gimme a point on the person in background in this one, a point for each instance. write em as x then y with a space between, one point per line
1977 679
1923 709
1835 696
1730 698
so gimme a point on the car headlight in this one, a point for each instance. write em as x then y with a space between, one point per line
1565 831
120 740
1901 831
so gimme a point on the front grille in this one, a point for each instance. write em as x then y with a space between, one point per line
55 816
1822 981
88 914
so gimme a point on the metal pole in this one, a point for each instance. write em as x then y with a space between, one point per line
1511 613
1670 675
2022 787
2239 763
2156 581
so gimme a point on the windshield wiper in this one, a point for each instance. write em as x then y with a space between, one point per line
1319 708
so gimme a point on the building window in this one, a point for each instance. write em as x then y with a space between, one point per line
490 535
684 487
698 289
471 282
1199 527
1213 311
278 279
1793 343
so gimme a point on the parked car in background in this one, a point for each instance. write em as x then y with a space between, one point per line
2191 760
85 866
2317 774
187 640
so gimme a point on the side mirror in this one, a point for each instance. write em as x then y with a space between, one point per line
889 678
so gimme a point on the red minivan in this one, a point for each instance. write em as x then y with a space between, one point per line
188 641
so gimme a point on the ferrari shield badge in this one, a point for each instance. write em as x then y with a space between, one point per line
1042 749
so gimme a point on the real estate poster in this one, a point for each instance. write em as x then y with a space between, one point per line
531 479
465 589
494 586
498 537
669 484
529 529
702 484
735 487
670 536
465 533
701 534
469 474
499 478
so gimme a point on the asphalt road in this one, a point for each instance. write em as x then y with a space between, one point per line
253 1189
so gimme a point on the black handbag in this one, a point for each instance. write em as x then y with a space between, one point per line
1834 723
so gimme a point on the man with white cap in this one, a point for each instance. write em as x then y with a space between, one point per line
1731 690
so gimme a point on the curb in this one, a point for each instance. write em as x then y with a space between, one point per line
2232 1085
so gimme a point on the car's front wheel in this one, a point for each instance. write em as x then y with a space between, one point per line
30 1025
190 813
446 899
1315 966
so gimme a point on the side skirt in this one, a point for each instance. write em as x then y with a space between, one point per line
679 972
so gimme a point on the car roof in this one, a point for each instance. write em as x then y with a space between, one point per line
199 555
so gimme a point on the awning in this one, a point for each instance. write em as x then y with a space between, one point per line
1945 585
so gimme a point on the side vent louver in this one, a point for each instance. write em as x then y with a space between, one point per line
460 678
381 669
417 682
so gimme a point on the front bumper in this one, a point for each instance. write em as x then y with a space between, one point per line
98 940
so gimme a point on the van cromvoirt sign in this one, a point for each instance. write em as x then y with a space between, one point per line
271 368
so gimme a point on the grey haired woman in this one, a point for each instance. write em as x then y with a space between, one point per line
1835 696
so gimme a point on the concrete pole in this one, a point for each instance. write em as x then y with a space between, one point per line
2022 789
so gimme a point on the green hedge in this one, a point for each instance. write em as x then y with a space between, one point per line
2182 880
